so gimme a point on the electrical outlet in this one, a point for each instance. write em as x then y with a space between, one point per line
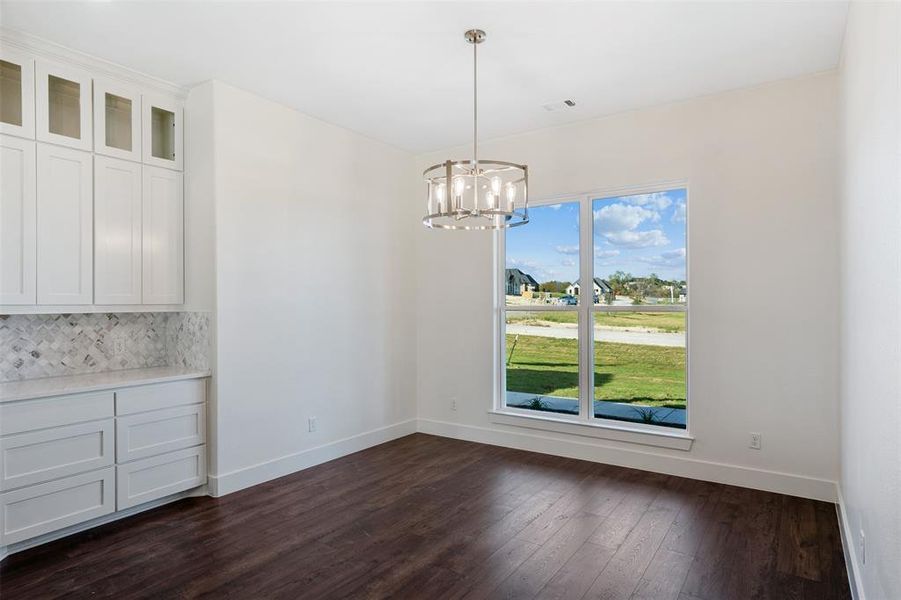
755 441
453 404
863 548
313 424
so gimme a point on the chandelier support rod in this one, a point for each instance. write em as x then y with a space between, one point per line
475 108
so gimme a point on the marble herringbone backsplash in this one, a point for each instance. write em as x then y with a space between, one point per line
33 346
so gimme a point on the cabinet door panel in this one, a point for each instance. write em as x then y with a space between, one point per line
38 509
159 431
16 93
117 120
65 224
17 221
163 237
63 105
43 413
159 476
117 231
39 456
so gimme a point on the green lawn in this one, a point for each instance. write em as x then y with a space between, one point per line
638 374
666 322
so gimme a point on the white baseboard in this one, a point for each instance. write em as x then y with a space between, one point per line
239 479
770 481
849 548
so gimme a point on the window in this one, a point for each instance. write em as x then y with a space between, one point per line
609 352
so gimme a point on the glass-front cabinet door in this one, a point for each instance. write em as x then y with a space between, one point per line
117 120
16 93
162 132
63 105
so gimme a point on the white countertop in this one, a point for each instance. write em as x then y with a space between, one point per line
73 384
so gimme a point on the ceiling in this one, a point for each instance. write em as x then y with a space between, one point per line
401 72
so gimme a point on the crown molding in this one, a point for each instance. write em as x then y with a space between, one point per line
43 48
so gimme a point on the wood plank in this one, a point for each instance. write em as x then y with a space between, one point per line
664 577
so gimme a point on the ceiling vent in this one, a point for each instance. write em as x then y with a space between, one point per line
559 105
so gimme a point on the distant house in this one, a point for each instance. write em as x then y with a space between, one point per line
601 287
519 282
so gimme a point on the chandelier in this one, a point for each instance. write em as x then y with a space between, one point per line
476 194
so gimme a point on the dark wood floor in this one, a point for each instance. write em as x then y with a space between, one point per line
428 517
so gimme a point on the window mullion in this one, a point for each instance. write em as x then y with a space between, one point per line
586 299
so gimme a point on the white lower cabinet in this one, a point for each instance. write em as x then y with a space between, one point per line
159 476
38 509
65 460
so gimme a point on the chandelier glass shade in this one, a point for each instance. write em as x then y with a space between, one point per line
476 194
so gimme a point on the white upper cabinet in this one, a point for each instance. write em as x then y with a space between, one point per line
63 105
64 225
117 120
162 132
117 231
16 93
163 237
17 221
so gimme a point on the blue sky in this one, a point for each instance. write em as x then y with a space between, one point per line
640 234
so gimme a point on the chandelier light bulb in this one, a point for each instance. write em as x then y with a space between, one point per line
439 196
459 186
511 195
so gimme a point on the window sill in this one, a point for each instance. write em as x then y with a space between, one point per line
624 433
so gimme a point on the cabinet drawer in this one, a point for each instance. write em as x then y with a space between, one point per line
39 456
159 476
159 431
160 395
40 509
26 415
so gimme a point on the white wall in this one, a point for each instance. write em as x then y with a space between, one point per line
313 283
763 247
871 299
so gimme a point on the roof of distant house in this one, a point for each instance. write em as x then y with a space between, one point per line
601 283
521 275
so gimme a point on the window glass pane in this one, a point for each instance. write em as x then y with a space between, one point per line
118 122
639 367
639 249
542 257
542 361
162 133
10 93
65 106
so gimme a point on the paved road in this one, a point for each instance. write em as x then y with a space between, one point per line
603 335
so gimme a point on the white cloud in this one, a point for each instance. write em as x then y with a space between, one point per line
677 253
522 265
598 253
679 213
568 262
556 206
621 217
670 258
657 200
638 239
567 249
